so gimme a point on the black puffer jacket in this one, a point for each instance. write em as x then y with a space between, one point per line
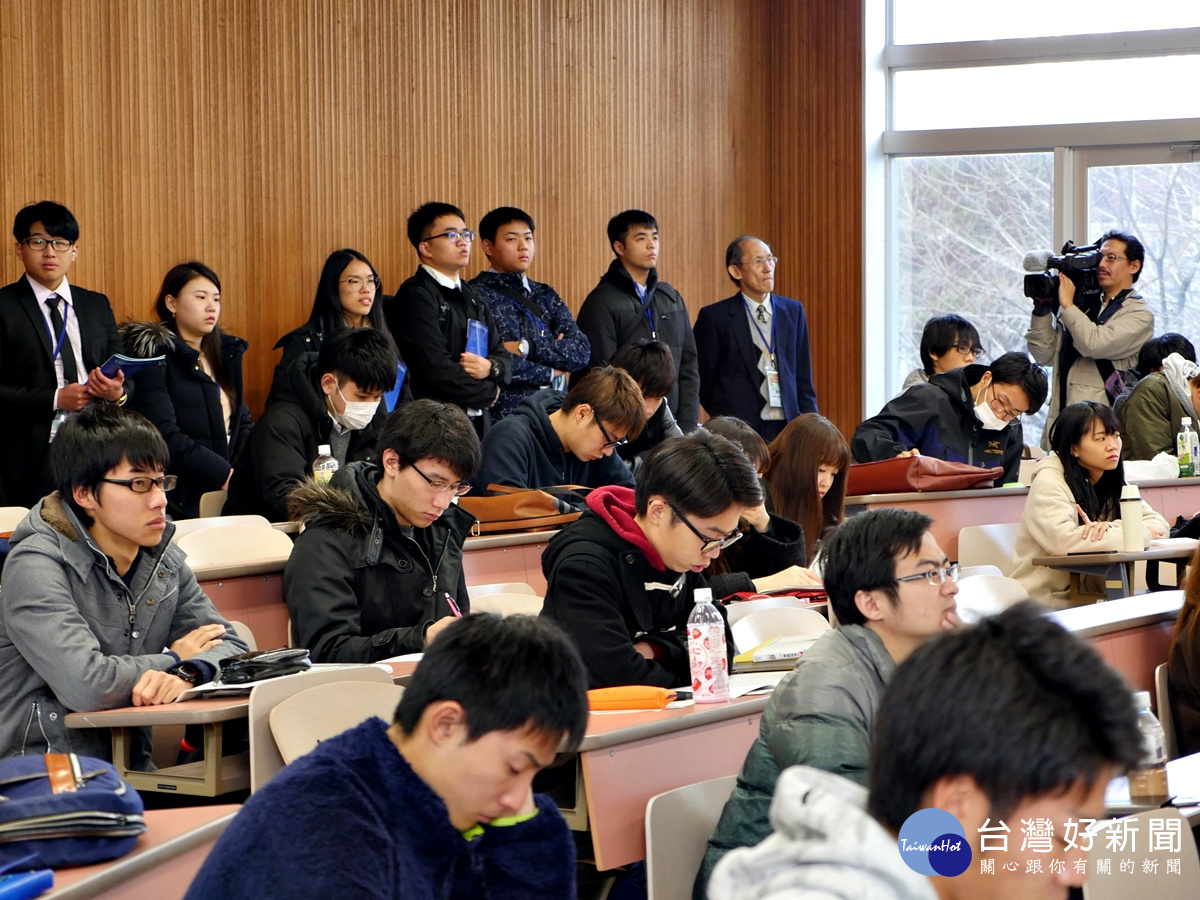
285 442
184 403
358 588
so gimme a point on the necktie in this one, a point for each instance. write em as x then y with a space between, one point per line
762 316
67 353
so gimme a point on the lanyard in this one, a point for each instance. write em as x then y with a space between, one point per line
770 345
646 311
538 324
63 335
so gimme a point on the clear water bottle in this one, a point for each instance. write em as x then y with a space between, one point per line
1148 782
324 465
1186 443
707 651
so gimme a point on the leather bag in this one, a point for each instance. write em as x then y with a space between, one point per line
917 473
515 510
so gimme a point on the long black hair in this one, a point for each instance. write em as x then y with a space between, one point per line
1100 501
327 313
210 345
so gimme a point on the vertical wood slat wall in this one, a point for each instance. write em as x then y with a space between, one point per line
260 136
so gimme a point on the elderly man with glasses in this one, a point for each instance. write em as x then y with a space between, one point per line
892 588
752 348
1088 346
971 414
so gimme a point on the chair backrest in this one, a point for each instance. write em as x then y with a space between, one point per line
510 587
742 608
968 571
988 545
305 719
986 595
678 824
265 759
11 516
235 544
782 621
1155 880
190 526
244 632
1162 692
212 502
508 604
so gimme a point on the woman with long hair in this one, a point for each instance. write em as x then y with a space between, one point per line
1183 665
195 398
1074 504
806 478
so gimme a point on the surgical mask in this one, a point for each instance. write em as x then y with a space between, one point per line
358 414
987 416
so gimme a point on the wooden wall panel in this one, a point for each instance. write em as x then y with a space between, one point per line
259 136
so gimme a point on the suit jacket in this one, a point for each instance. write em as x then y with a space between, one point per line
28 382
728 357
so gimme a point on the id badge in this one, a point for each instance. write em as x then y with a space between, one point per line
774 394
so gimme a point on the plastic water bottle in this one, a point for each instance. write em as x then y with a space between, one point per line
324 465
707 651
1148 782
1132 535
1186 445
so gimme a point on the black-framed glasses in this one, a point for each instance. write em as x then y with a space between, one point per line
935 576
1004 412
608 438
455 235
707 544
62 245
355 283
969 349
441 487
143 484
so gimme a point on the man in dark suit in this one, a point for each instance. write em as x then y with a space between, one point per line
53 339
753 348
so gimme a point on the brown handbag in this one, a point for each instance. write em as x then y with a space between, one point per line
917 473
515 510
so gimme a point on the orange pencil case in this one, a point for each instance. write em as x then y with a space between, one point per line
633 696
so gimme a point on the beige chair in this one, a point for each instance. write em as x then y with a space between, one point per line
678 824
968 571
11 516
191 526
511 587
1162 692
986 595
235 544
784 621
305 719
1160 884
244 632
742 608
212 503
507 604
988 545
265 758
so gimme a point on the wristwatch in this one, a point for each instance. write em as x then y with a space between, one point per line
523 347
190 673
496 371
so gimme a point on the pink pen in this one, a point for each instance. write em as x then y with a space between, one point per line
453 606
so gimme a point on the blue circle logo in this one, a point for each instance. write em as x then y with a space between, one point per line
933 842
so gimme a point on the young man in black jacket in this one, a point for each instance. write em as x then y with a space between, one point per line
630 302
431 319
622 579
377 572
327 398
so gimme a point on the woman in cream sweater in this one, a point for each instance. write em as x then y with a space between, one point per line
1074 505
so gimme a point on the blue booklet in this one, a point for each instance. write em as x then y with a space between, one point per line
392 397
118 362
22 885
477 337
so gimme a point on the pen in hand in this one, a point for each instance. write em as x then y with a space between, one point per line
453 606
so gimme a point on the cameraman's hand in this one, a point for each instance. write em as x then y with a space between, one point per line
1066 291
913 452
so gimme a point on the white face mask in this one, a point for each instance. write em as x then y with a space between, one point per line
987 416
358 414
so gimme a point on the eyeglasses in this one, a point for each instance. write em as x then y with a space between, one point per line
455 236
1111 258
935 576
967 349
608 438
356 284
440 487
144 484
1004 412
707 544
60 244
763 262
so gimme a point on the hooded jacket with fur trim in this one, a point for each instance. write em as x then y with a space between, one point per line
184 403
608 588
360 587
76 637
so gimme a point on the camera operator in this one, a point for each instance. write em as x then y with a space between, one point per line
1087 347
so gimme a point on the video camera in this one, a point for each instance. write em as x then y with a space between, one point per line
1080 264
